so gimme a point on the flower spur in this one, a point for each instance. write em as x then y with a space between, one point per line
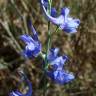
53 10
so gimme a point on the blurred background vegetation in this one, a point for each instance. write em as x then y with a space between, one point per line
80 47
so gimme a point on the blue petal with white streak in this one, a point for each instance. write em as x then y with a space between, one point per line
60 76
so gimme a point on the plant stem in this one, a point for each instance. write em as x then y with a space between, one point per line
48 46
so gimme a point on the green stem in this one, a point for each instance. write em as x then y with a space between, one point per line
57 29
47 50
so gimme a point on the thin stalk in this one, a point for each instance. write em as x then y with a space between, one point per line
46 61
48 46
25 24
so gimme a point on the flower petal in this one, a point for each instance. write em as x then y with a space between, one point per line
35 35
60 76
59 62
32 50
70 30
15 93
37 50
53 54
26 38
30 46
65 11
72 23
53 12
58 20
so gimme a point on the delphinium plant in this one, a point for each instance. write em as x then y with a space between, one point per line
53 63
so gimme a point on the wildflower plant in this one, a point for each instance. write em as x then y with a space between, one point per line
51 58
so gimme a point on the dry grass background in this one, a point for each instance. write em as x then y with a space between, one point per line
80 47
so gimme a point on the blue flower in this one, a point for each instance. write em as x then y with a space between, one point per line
33 45
17 93
56 73
57 62
23 79
64 21
60 76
